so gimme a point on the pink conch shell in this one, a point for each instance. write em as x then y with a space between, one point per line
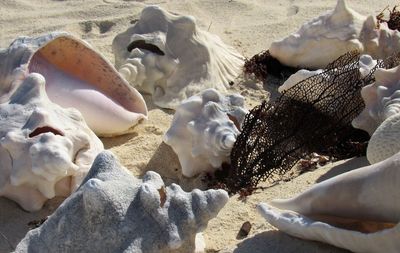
358 210
78 76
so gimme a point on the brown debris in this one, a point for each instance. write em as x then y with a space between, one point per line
264 64
313 161
244 230
36 223
394 18
163 196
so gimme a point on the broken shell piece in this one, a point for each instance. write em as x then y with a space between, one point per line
78 76
204 130
122 213
45 150
169 57
321 40
358 210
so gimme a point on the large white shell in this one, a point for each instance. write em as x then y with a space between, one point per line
204 129
327 37
358 210
321 40
169 57
113 211
45 150
76 76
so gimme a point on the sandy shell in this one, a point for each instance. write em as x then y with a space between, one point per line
168 56
122 213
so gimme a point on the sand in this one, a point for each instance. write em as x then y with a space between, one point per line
250 26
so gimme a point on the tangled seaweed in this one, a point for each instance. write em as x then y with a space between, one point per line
394 18
264 64
313 116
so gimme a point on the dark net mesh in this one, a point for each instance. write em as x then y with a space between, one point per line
313 116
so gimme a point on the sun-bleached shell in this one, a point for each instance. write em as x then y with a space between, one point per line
358 210
322 39
168 56
327 37
113 211
76 76
45 150
204 129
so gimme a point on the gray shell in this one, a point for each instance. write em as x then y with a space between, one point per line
113 211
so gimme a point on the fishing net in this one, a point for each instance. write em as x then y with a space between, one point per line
313 116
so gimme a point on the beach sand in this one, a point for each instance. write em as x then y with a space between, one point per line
249 26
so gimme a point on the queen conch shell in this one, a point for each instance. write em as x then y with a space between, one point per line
358 210
45 150
169 57
380 118
327 37
76 76
113 211
204 130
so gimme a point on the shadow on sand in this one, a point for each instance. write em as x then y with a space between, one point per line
278 242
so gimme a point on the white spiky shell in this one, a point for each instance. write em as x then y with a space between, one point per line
204 129
184 60
45 150
322 39
327 37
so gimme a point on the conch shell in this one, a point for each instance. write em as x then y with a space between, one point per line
358 210
204 130
168 56
45 150
76 76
